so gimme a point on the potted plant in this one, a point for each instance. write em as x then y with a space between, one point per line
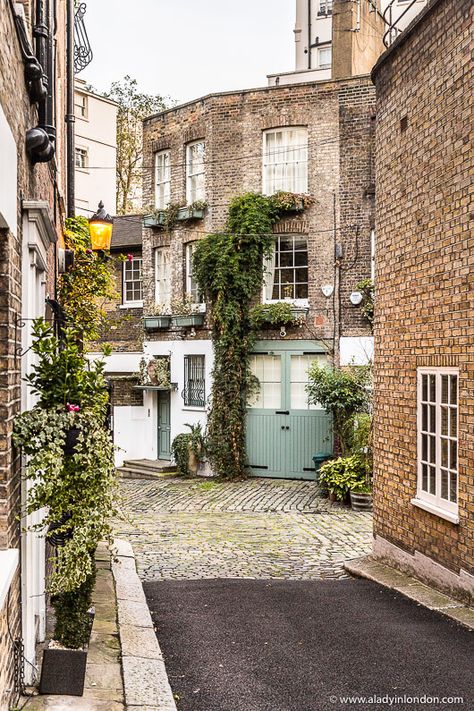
73 484
276 315
185 312
188 450
341 476
361 494
155 371
195 211
292 202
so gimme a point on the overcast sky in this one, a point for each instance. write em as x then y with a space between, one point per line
188 48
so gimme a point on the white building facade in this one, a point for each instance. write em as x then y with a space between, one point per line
95 151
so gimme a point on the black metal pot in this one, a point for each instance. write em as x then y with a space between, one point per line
59 538
72 436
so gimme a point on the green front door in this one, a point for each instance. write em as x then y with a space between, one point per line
283 431
164 425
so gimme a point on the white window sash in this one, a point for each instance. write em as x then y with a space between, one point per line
285 160
162 180
162 277
435 501
129 278
195 186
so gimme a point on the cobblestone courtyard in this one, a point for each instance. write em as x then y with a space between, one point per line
187 529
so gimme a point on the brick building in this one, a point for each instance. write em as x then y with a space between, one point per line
32 180
311 138
424 367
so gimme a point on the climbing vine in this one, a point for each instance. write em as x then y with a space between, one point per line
229 269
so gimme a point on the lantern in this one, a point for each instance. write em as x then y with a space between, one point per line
100 229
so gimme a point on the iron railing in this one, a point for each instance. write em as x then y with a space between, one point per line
393 28
82 48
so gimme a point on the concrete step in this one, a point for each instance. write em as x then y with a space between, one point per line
155 465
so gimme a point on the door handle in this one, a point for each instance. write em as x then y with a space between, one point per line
282 412
284 427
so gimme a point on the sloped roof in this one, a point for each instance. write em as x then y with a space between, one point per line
127 231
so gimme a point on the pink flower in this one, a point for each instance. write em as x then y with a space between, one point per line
88 251
130 257
72 408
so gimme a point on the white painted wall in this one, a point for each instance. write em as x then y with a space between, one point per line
96 132
356 350
8 177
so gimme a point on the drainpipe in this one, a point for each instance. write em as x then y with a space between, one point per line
309 34
70 118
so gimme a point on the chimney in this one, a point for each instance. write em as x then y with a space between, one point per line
357 32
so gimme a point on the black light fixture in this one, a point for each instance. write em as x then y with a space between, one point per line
100 229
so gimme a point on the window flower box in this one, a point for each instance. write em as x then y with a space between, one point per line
161 218
156 220
155 323
190 213
186 321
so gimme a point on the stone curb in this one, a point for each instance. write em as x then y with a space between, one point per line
412 588
145 680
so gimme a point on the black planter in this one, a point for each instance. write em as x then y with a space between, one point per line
63 672
71 440
59 538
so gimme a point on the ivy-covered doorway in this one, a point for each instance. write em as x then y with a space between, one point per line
284 432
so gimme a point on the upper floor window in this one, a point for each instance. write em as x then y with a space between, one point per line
438 438
80 105
325 7
325 57
132 282
163 277
195 189
81 158
162 180
286 271
191 284
285 160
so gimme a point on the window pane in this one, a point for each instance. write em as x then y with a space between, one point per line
424 477
454 390
424 388
444 484
432 418
444 453
301 259
444 388
301 291
453 483
432 480
453 416
433 450
267 369
424 418
424 447
454 454
194 379
444 421
432 388
285 160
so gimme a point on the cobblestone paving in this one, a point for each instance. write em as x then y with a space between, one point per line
182 529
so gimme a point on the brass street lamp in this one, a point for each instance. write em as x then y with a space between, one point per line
100 229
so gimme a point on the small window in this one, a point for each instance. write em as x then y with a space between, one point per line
163 180
438 437
194 393
324 57
162 278
80 105
81 158
267 370
325 7
191 284
195 189
286 271
132 282
285 160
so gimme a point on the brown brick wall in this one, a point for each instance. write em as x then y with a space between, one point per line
424 305
340 137
123 393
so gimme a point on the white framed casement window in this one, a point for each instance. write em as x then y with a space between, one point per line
163 278
285 160
132 282
325 57
195 155
162 179
438 401
192 288
81 158
286 271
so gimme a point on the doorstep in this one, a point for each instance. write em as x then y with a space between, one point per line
372 569
103 690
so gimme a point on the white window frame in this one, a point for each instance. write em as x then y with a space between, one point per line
163 278
192 288
434 503
79 150
162 179
81 106
195 174
303 303
325 8
324 65
131 303
285 166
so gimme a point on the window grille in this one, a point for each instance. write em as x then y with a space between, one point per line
194 393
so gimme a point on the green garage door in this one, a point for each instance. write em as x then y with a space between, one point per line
283 431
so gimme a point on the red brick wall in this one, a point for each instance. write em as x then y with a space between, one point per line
424 303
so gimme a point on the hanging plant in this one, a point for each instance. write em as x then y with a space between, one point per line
155 371
278 314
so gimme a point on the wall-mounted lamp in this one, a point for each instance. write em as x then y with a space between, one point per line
100 229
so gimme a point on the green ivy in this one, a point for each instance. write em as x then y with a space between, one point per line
367 288
185 443
229 269
340 476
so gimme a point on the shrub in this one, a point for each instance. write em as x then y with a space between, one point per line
185 443
342 475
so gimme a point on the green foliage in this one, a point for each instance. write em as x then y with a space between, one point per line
278 314
343 393
285 201
71 609
133 107
77 490
342 475
155 371
367 287
85 286
229 270
185 443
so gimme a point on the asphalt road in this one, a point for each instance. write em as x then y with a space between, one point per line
257 645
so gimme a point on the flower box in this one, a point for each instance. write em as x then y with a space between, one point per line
298 206
189 213
187 321
155 323
159 218
156 220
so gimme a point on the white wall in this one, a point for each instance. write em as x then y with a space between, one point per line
357 350
8 177
97 133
